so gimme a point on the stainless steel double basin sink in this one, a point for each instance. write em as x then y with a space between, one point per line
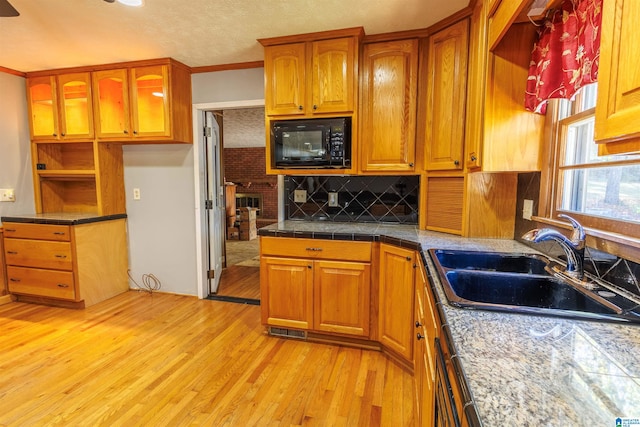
524 283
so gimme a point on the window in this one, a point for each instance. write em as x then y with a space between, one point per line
601 192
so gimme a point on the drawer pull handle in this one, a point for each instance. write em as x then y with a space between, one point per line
62 285
61 256
12 252
59 233
13 279
314 249
10 230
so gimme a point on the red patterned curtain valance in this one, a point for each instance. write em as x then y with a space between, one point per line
566 55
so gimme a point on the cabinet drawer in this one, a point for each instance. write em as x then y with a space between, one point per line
18 230
40 282
38 253
316 248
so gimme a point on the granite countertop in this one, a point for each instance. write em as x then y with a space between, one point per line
521 370
61 218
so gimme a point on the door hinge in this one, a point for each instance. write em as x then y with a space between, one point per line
208 204
207 131
211 274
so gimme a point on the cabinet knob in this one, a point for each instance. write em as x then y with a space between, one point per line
135 132
474 158
300 107
309 266
54 134
315 107
419 336
408 258
126 132
456 162
63 134
411 164
418 324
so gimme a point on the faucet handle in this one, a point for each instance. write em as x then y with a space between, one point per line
578 236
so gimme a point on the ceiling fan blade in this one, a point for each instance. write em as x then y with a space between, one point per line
6 10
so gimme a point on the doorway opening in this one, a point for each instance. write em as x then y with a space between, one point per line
239 276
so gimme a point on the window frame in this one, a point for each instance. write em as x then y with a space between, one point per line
602 231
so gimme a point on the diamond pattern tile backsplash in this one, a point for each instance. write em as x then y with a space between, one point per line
388 199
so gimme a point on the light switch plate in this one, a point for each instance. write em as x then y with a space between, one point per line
300 196
7 195
333 200
527 209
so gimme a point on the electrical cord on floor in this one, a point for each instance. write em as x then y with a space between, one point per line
150 283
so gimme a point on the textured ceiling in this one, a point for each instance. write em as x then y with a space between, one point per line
65 33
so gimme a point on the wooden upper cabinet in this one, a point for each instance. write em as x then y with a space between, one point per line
143 104
617 127
333 75
60 107
446 96
311 74
388 106
285 70
111 88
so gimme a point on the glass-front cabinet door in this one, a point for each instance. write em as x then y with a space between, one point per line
43 105
111 92
149 101
76 110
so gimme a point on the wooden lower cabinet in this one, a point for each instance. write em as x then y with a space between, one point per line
395 311
316 294
69 265
341 295
286 287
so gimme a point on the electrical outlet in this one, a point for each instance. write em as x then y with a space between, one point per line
136 194
527 209
7 195
300 196
333 200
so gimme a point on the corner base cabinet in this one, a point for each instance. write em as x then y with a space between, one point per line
303 286
68 265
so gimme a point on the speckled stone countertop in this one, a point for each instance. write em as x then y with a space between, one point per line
521 370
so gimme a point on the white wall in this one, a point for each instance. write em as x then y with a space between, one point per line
15 154
162 227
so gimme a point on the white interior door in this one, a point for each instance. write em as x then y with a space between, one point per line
215 209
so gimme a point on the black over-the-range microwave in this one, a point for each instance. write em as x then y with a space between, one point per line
311 143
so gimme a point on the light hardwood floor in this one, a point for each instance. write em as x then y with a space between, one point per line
161 359
240 282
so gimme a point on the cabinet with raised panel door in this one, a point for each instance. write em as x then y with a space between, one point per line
140 104
617 128
71 265
60 107
446 94
388 93
311 74
396 291
316 285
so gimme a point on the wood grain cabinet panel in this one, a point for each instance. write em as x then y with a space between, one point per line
143 104
331 67
286 287
305 284
75 266
396 306
388 106
446 94
341 297
617 126
60 107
